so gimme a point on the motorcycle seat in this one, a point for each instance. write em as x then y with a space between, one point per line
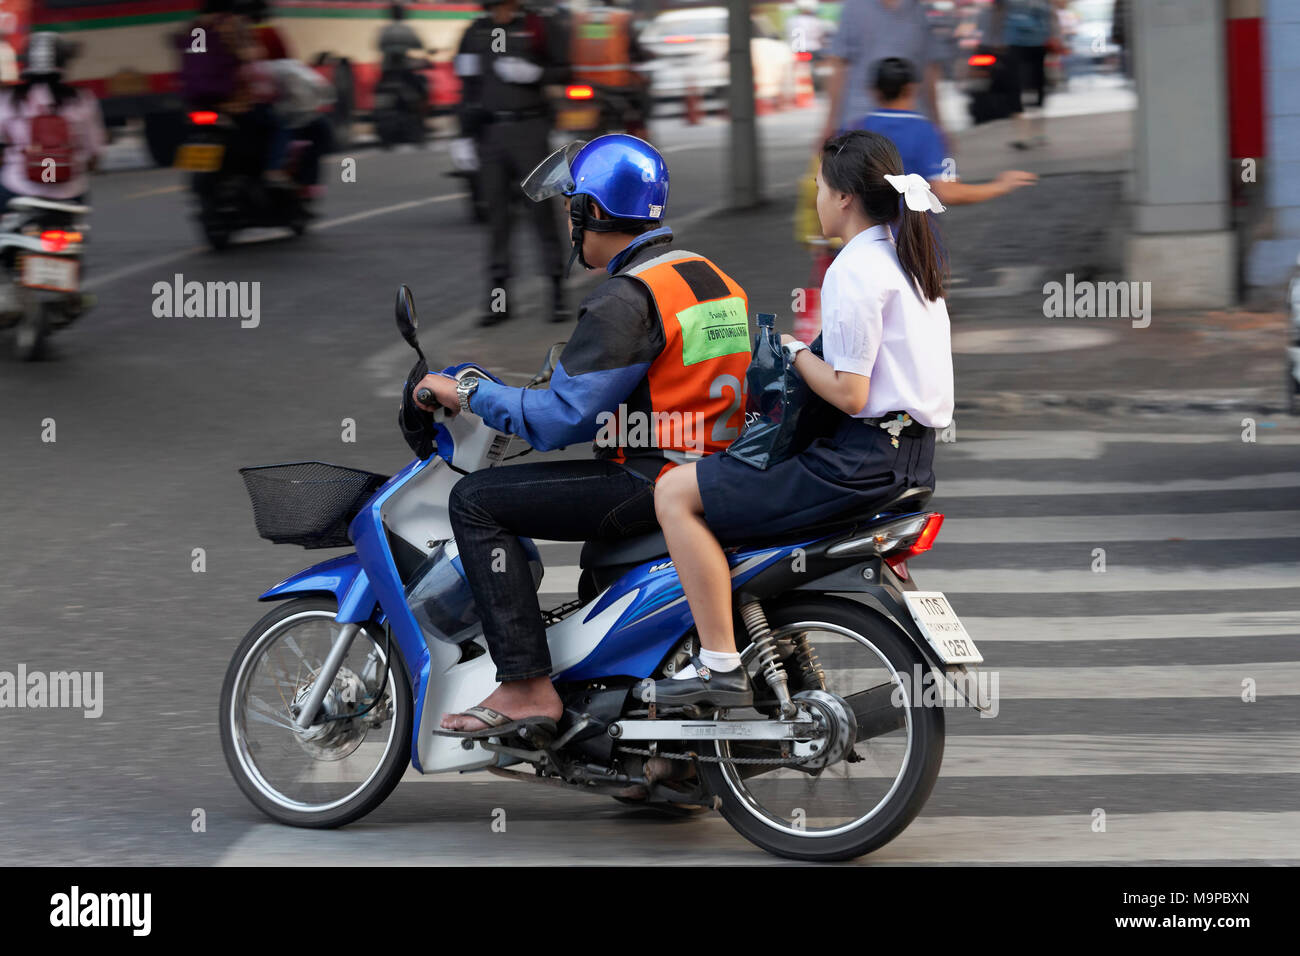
647 547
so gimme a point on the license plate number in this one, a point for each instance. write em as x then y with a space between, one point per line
938 622
579 119
200 157
48 272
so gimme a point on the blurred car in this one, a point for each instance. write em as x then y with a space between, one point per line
689 49
1091 46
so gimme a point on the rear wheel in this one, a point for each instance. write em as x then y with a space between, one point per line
31 332
341 767
859 803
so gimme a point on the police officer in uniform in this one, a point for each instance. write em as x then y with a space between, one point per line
505 61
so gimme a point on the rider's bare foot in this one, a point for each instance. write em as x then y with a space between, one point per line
535 697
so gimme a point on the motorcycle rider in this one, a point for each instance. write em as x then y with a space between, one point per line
505 60
656 341
607 56
396 41
53 131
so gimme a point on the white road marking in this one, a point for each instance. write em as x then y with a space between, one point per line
1184 836
150 265
1022 488
1137 682
1054 529
1133 627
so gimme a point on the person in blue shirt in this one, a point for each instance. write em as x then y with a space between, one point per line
920 142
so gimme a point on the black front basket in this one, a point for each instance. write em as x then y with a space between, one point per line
309 503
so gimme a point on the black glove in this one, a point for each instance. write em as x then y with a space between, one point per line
416 424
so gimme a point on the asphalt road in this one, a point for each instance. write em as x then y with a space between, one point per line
1121 690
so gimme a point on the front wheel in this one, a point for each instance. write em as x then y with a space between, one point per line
350 759
881 779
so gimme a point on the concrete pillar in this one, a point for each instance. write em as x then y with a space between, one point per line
1182 241
746 173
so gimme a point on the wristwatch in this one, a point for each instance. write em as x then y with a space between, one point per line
793 349
464 389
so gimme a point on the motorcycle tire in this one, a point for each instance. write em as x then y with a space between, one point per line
31 333
889 818
391 768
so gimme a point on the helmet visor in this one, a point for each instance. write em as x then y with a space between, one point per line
553 175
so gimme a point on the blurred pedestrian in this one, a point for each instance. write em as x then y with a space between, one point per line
505 61
920 143
870 31
1021 30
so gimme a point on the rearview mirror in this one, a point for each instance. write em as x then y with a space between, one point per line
548 367
406 320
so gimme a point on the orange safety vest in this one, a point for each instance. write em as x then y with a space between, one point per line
696 383
601 44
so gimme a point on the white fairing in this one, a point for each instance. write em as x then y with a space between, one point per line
454 687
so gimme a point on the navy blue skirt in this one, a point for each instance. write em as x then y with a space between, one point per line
852 470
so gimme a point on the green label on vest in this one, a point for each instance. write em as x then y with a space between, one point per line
713 329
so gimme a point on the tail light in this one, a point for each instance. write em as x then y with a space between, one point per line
895 541
982 59
56 240
679 39
203 117
579 92
803 56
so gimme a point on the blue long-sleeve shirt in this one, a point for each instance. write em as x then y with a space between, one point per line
619 334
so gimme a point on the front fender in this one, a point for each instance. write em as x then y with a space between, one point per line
343 577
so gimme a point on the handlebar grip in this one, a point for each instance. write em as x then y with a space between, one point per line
425 397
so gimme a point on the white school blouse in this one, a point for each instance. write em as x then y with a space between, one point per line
875 323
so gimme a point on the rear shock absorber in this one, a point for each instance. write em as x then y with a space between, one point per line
809 663
769 660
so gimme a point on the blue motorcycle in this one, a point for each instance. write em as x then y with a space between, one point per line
340 688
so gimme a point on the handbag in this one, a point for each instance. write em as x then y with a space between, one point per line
782 414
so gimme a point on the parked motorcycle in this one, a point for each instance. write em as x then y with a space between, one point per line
337 690
40 292
227 180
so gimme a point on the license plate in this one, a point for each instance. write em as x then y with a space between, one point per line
48 272
579 119
938 622
200 157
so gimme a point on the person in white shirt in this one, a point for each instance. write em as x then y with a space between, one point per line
53 133
887 362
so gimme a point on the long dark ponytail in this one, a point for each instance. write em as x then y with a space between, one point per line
857 162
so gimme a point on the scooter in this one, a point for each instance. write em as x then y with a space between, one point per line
334 693
227 179
401 102
40 292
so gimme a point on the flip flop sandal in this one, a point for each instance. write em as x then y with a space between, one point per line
498 724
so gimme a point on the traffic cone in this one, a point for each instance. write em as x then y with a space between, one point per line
692 106
762 105
808 322
803 84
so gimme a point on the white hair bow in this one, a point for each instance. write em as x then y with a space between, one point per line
916 192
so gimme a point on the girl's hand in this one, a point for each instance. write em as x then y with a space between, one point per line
787 339
1013 179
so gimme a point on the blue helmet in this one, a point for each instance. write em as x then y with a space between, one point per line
625 175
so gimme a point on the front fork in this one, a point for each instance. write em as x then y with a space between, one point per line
325 678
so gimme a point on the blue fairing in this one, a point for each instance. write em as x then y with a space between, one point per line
658 616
